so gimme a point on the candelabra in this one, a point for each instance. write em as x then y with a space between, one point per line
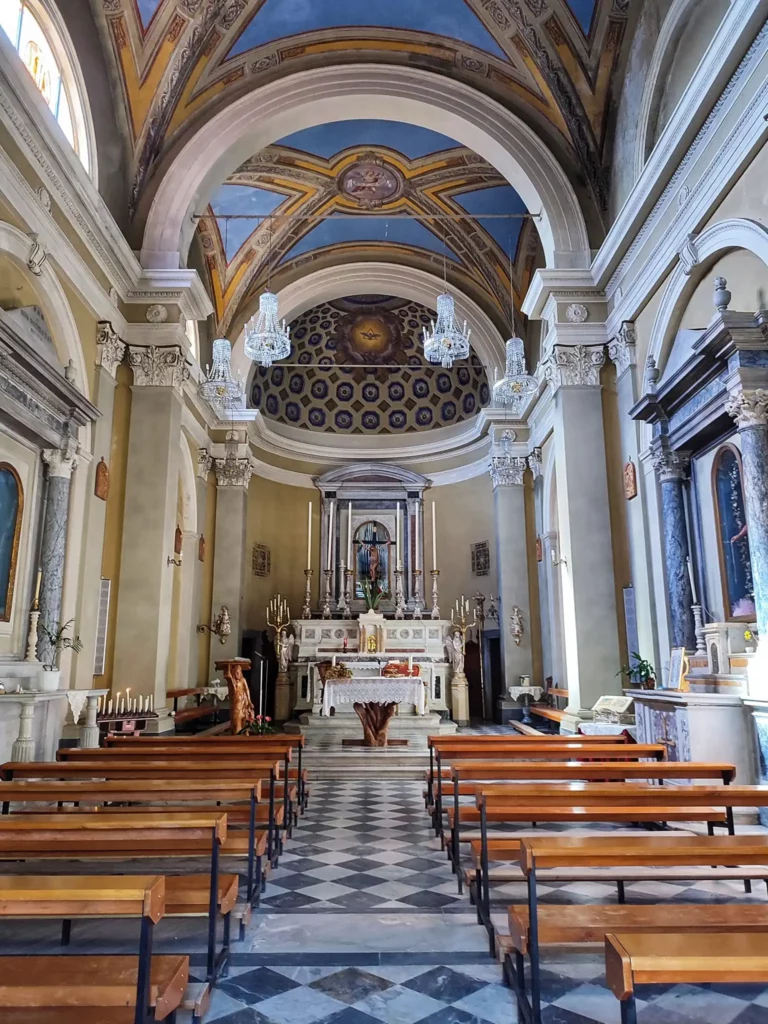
278 617
306 611
418 604
342 606
460 619
326 609
435 574
698 620
399 595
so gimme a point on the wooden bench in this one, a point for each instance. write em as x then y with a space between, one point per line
108 836
616 852
44 989
550 714
735 955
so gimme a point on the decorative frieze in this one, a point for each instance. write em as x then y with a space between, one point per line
110 349
158 367
749 408
575 366
622 349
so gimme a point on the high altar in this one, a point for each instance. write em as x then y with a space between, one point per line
373 536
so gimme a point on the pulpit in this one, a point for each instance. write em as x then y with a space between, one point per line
240 704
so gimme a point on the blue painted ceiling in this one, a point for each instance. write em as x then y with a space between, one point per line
376 228
326 140
147 9
242 199
583 11
498 199
278 19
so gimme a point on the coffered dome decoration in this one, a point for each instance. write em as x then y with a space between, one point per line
366 373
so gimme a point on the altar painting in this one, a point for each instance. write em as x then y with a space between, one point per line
733 536
372 560
11 503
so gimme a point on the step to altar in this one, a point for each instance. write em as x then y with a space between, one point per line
375 763
328 731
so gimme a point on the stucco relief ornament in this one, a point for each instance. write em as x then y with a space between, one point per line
45 198
689 255
516 625
577 313
155 366
749 408
37 256
575 365
156 314
622 348
204 463
110 349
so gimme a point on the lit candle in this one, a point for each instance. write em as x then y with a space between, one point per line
416 539
309 536
333 660
330 537
349 534
128 698
109 707
434 538
693 585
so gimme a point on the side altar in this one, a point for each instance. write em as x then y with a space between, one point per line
366 646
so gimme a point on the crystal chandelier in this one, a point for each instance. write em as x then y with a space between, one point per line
219 387
266 338
506 467
444 341
516 387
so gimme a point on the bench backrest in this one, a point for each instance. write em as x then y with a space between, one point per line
68 896
137 791
471 771
560 752
139 769
295 740
626 794
455 742
183 753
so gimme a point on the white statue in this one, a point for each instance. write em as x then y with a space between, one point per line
516 626
454 648
285 649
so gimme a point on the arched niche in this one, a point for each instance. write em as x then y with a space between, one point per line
324 95
11 515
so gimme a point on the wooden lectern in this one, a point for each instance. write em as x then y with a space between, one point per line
240 704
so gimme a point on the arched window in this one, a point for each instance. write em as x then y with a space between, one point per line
37 33
11 509
733 535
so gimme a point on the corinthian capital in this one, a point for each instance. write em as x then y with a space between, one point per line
622 348
233 472
110 350
749 408
61 461
204 463
575 366
158 367
671 466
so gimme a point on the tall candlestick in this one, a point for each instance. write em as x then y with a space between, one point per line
309 536
416 539
693 585
330 536
349 533
399 536
434 539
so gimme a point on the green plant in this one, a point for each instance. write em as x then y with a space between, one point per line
59 641
373 592
638 671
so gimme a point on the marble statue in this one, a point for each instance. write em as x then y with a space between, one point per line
285 649
454 648
516 626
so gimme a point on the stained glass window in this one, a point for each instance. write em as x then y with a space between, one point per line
44 60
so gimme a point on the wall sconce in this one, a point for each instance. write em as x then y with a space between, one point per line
557 561
178 543
222 626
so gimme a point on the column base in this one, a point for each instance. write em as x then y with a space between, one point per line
90 737
283 709
460 699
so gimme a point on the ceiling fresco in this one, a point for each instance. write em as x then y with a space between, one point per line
325 205
553 62
358 368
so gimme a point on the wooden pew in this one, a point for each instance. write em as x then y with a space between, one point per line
128 985
730 955
607 851
520 750
112 836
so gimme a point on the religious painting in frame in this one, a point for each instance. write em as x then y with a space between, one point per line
732 536
371 545
11 511
261 560
678 667
481 558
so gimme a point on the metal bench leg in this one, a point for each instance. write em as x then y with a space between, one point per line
66 932
628 1011
225 945
143 1012
620 892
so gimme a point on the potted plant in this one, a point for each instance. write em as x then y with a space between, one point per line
750 640
373 592
639 671
59 641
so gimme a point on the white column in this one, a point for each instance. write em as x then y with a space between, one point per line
232 478
586 575
143 630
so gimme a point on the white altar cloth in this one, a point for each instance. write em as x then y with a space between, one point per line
374 690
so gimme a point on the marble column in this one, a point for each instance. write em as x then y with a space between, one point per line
110 353
585 556
512 566
749 408
232 478
672 470
53 549
143 630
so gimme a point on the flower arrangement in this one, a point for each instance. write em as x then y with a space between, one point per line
339 672
373 592
257 726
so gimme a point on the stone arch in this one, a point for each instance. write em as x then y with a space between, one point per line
18 247
385 92
706 248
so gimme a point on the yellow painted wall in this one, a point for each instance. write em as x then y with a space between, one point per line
113 526
617 502
206 588
465 516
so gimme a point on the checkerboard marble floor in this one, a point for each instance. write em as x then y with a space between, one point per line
362 924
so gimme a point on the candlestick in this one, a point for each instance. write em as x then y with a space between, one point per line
698 621
435 574
326 609
34 616
329 562
349 533
693 585
418 606
434 539
342 606
306 611
309 536
399 596
398 556
416 538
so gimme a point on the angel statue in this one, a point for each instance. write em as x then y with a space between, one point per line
454 648
285 649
